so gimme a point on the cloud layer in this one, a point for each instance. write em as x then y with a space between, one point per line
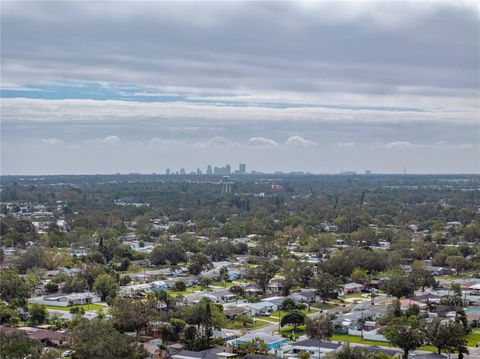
314 84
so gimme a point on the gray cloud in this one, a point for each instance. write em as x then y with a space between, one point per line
261 80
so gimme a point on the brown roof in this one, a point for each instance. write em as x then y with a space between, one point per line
43 334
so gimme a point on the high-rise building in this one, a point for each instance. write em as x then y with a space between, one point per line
227 169
167 171
182 171
209 170
242 168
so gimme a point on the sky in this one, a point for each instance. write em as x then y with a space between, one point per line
119 86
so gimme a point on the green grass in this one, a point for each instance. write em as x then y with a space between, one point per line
287 332
260 323
223 284
85 306
353 296
355 339
473 338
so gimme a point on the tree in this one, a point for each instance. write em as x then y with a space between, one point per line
320 328
198 263
131 315
244 319
445 334
13 288
294 317
99 339
106 287
8 314
255 346
263 273
38 314
33 257
170 252
16 345
399 285
359 276
51 287
180 286
326 285
421 276
303 355
404 333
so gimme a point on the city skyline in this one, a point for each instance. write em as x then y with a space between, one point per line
103 87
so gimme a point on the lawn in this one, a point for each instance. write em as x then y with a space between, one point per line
473 338
288 332
86 307
355 339
223 284
353 296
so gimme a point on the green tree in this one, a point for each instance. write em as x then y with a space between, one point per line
172 253
320 328
263 273
399 285
8 314
13 288
326 285
405 333
421 276
99 339
445 335
198 263
16 345
294 317
106 287
38 314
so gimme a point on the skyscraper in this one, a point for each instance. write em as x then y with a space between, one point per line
209 170
227 169
167 171
242 168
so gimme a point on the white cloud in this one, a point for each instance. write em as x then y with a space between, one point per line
299 141
261 141
399 145
111 140
52 141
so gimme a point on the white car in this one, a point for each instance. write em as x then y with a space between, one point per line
67 353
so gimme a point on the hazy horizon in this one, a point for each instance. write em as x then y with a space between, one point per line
322 87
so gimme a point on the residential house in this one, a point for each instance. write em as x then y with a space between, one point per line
273 342
350 288
214 353
65 300
275 286
304 296
316 348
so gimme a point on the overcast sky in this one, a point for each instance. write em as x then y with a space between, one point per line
106 87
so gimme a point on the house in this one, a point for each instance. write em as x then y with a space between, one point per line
304 296
48 337
159 285
214 353
260 308
220 296
275 286
273 342
278 301
315 347
65 300
353 288
232 312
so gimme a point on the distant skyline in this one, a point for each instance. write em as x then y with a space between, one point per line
321 87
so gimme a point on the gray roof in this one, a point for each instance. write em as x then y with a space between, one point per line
316 343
